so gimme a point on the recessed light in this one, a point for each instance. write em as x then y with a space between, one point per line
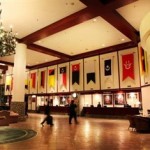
122 39
94 20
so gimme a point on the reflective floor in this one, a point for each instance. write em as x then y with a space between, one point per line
89 134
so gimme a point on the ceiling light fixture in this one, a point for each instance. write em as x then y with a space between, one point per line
7 40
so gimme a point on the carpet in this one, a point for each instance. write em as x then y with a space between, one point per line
9 135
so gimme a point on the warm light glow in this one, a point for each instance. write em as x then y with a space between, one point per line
74 95
33 96
132 95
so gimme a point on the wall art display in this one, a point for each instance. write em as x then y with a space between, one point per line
91 73
133 99
42 78
52 79
27 83
76 75
33 81
63 77
109 71
129 68
144 65
119 99
8 85
108 99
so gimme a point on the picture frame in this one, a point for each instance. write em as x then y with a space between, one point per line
119 98
108 99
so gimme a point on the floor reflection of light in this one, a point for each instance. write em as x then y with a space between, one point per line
122 138
87 129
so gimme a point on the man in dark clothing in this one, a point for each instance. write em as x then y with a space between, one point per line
48 118
72 112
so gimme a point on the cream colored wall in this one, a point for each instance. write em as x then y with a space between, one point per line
146 99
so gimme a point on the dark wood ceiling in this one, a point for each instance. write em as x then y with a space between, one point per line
104 8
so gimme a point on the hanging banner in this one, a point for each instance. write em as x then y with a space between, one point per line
26 84
143 60
42 79
33 79
128 66
75 73
51 79
8 83
63 76
91 71
107 67
11 83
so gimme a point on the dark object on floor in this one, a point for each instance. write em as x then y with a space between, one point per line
132 124
142 124
49 120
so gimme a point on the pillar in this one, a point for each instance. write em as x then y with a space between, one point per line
19 75
145 43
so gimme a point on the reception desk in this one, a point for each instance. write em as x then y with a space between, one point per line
54 109
109 111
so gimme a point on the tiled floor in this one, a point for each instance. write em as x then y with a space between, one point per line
89 134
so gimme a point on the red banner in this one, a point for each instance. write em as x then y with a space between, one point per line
75 73
42 79
75 67
128 66
33 78
63 76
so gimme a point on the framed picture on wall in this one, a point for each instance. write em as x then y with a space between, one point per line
108 99
119 99
132 95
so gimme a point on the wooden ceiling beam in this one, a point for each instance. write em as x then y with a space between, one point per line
122 25
114 4
105 50
88 54
60 25
110 14
104 8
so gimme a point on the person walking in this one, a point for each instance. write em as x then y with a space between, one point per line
48 118
72 112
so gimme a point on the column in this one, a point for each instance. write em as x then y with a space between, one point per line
19 75
145 43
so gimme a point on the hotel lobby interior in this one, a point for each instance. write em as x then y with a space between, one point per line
89 51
